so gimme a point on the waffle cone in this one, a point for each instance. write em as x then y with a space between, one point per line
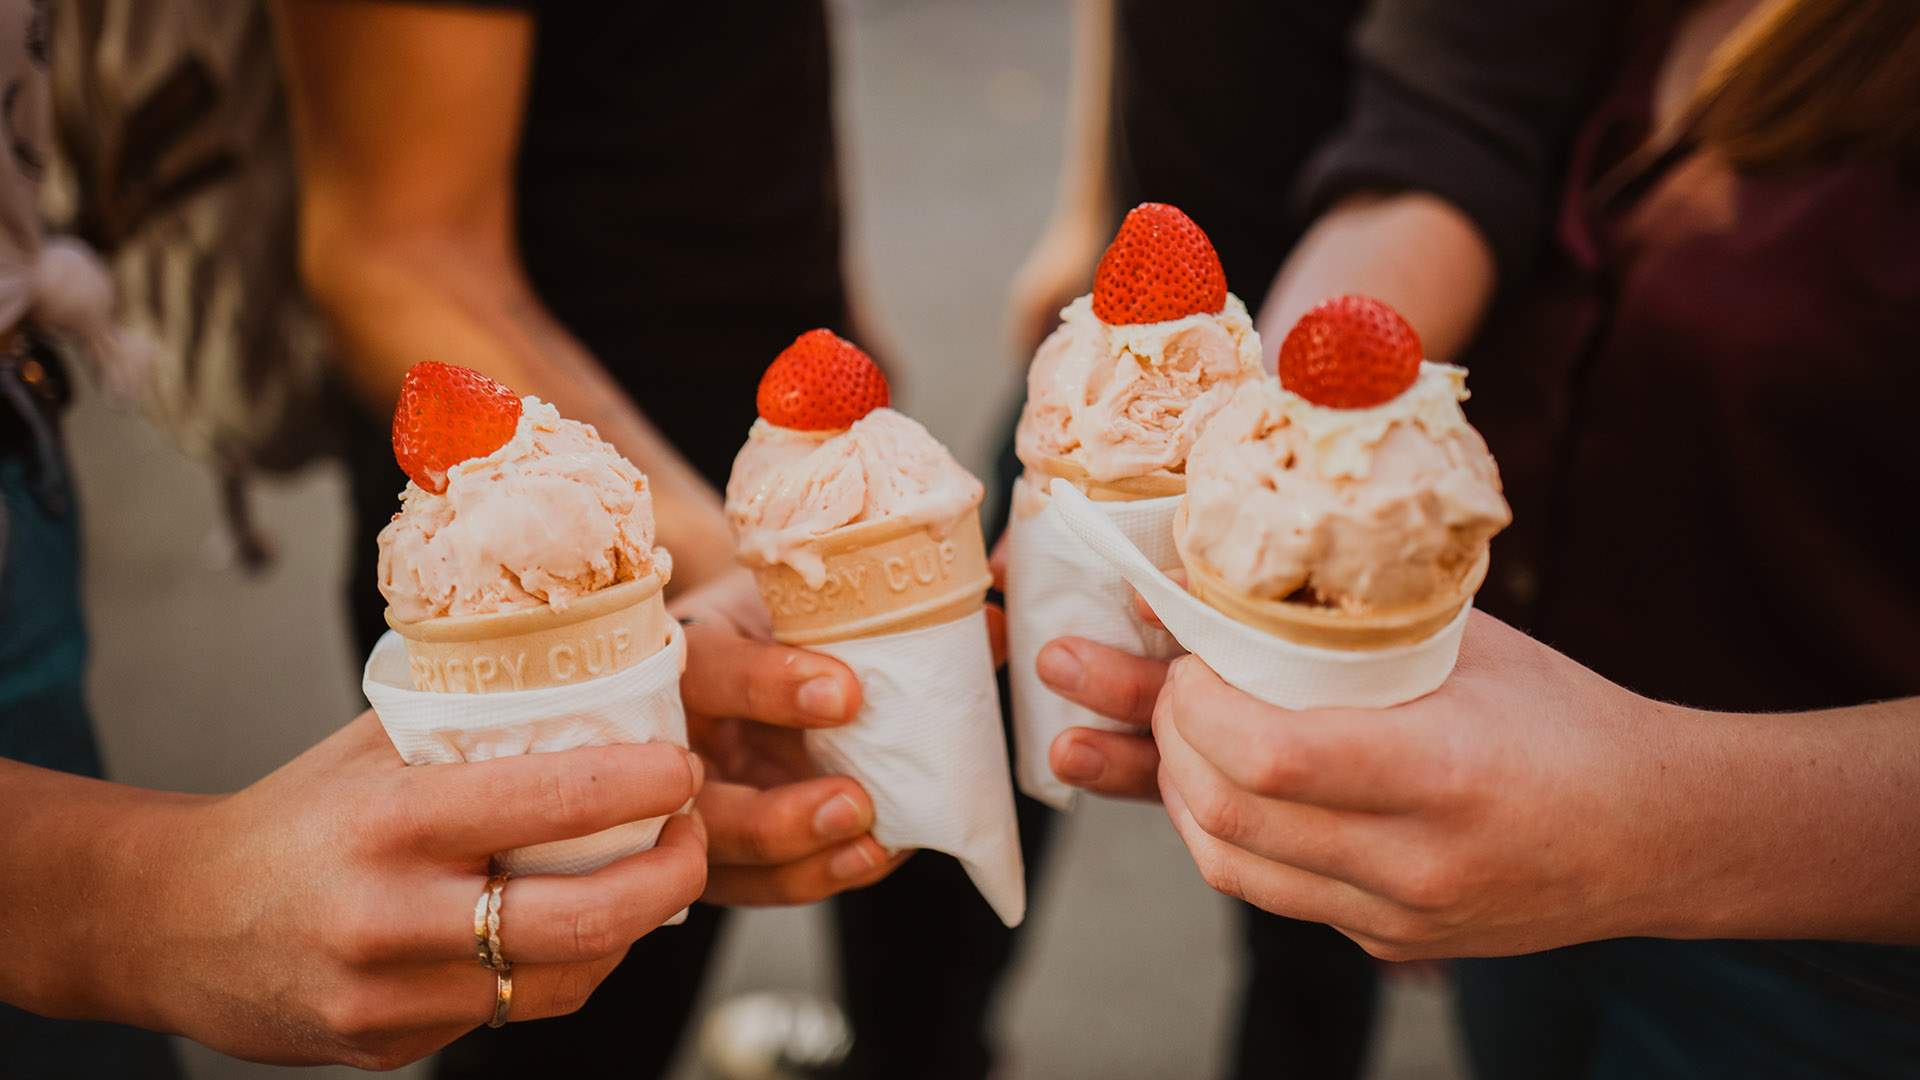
883 577
603 632
1323 627
1155 485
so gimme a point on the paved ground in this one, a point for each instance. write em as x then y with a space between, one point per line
204 680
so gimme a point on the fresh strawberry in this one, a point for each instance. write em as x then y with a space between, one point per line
446 415
821 382
1160 266
1351 352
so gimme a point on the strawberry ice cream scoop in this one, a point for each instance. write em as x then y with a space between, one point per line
790 488
1123 401
1137 367
551 515
1359 509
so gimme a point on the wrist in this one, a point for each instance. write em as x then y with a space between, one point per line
1638 816
132 927
1682 848
75 850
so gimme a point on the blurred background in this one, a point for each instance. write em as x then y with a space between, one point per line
951 113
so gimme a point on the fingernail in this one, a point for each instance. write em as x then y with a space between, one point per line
839 818
1060 669
698 768
821 696
853 862
1082 764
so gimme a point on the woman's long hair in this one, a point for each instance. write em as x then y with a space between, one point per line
1816 81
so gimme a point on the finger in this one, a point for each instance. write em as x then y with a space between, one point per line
1107 763
1353 759
478 808
997 633
555 918
544 990
1117 685
1362 849
849 866
539 990
1270 886
399 1015
749 827
1145 611
730 675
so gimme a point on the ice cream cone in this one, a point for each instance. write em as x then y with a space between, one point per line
1324 627
882 577
596 635
1154 485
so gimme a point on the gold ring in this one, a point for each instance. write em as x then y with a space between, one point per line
502 995
486 923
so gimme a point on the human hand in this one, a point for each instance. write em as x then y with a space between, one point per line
1119 686
780 833
325 913
1522 806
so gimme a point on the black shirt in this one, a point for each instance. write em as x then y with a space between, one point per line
678 210
678 205
1217 107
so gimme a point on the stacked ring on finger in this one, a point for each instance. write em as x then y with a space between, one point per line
502 996
486 924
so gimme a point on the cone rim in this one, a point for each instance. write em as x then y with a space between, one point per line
1158 484
503 624
1329 627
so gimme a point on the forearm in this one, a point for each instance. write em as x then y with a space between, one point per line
1796 825
395 301
78 860
1413 250
1086 174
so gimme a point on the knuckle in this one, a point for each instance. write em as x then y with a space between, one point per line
595 932
1429 883
387 1059
399 813
572 991
763 838
353 929
1217 813
1442 780
367 1060
1216 872
1392 952
794 885
1398 933
764 686
1140 699
353 1019
1273 769
561 798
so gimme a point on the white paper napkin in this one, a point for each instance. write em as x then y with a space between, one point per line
1270 668
1058 587
640 704
928 747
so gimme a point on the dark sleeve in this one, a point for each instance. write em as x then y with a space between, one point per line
1473 101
